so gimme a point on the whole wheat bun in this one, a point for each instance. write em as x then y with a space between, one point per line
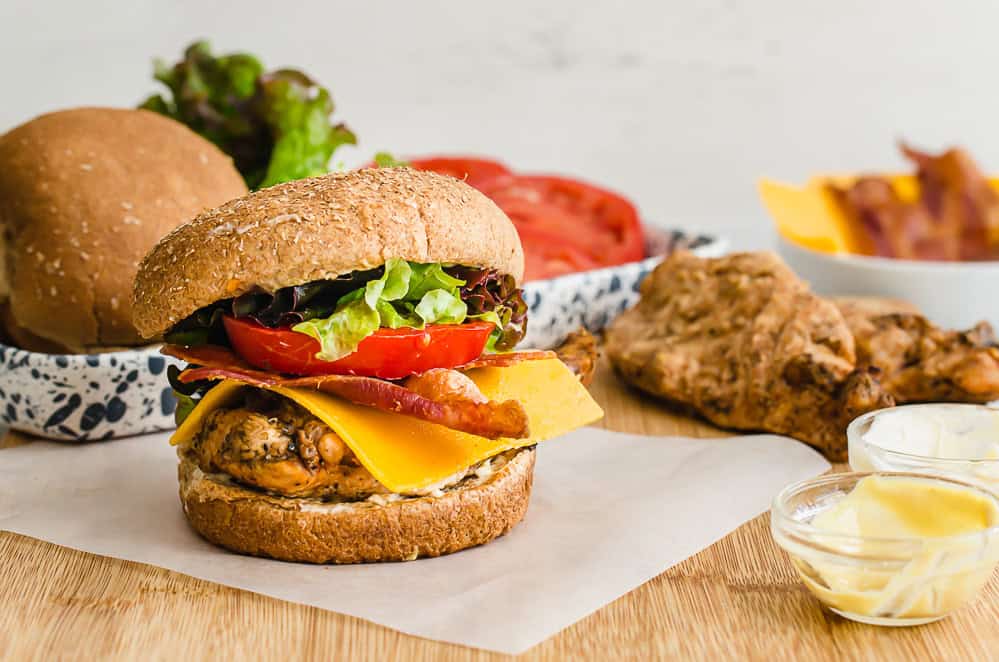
291 529
84 195
320 228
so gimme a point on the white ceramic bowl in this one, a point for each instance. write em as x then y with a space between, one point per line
954 295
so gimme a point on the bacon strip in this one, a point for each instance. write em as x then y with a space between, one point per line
489 419
508 359
216 356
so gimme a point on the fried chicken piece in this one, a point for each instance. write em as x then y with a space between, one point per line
918 361
872 307
275 445
579 351
742 341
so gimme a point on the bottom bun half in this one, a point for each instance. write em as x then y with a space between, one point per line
291 529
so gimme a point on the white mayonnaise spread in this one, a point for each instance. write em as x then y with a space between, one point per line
948 438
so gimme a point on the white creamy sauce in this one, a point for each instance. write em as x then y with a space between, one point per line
437 489
484 470
475 475
385 499
959 440
968 433
197 475
312 506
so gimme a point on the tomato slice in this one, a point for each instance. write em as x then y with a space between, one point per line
388 353
594 220
565 225
475 171
547 255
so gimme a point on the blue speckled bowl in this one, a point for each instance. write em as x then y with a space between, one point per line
78 397
592 299
120 394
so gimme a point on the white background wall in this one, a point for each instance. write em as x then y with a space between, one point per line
681 105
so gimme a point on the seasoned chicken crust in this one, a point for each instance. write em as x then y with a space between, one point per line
743 342
918 361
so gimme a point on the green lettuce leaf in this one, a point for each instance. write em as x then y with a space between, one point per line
187 394
298 112
487 295
427 277
406 294
386 160
441 307
341 333
489 316
392 285
185 405
398 315
277 126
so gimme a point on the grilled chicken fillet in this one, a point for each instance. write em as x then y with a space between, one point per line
273 444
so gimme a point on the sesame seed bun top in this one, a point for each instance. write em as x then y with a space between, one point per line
84 194
320 228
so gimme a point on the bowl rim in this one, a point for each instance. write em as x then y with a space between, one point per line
82 359
871 261
784 522
711 243
853 434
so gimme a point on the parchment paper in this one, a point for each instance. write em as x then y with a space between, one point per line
609 512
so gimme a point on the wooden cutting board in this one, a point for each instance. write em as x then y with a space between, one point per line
738 599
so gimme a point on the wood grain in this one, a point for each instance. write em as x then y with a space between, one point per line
737 599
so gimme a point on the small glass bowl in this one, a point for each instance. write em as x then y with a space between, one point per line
881 581
866 455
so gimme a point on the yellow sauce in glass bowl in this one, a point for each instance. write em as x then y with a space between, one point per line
889 549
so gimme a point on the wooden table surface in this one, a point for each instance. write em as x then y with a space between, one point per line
737 599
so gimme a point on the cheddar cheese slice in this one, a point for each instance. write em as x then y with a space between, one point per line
808 216
406 454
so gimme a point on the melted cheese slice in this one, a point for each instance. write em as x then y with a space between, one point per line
808 216
406 454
